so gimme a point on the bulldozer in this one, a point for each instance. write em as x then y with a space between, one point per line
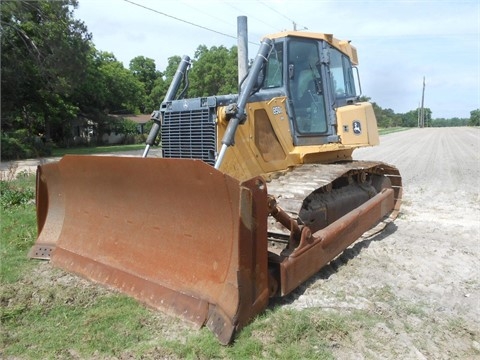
254 193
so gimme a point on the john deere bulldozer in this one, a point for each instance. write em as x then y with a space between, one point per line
255 191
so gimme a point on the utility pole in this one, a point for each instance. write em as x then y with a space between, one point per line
422 110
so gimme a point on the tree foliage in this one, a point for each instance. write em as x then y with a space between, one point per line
162 83
474 118
124 92
144 70
449 122
214 71
109 87
43 48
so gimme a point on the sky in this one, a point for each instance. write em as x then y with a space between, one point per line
399 42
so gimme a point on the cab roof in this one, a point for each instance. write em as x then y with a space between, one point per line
342 45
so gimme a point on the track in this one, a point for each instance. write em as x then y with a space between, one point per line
293 187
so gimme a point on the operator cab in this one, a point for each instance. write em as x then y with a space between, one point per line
316 78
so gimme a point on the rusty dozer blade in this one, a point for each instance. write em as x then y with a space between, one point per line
175 234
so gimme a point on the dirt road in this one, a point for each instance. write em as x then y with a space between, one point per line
423 275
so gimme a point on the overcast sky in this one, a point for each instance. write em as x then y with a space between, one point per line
398 41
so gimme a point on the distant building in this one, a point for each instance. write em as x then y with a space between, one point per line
84 130
141 120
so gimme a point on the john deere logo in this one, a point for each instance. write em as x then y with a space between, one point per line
357 127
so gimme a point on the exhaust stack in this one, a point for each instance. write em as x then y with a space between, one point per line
242 41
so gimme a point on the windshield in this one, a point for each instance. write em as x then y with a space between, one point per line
306 86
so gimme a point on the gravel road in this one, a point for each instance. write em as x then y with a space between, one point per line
422 275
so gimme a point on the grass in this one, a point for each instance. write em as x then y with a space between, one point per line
18 226
384 131
277 334
57 152
107 327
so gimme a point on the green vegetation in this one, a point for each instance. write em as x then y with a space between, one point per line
18 225
387 118
58 89
474 118
96 149
384 131
277 334
112 324
20 144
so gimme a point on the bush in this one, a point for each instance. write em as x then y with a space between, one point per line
11 196
20 145
13 149
140 138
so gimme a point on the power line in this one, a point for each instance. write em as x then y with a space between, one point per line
221 19
250 16
282 15
274 10
181 20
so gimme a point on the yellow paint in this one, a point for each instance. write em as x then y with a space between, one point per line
250 156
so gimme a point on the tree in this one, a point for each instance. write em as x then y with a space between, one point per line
386 117
144 70
214 71
474 118
410 119
162 83
442 122
124 93
427 113
108 88
44 52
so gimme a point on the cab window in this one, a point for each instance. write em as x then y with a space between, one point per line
305 87
274 70
341 72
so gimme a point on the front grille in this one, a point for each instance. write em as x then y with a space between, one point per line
189 133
